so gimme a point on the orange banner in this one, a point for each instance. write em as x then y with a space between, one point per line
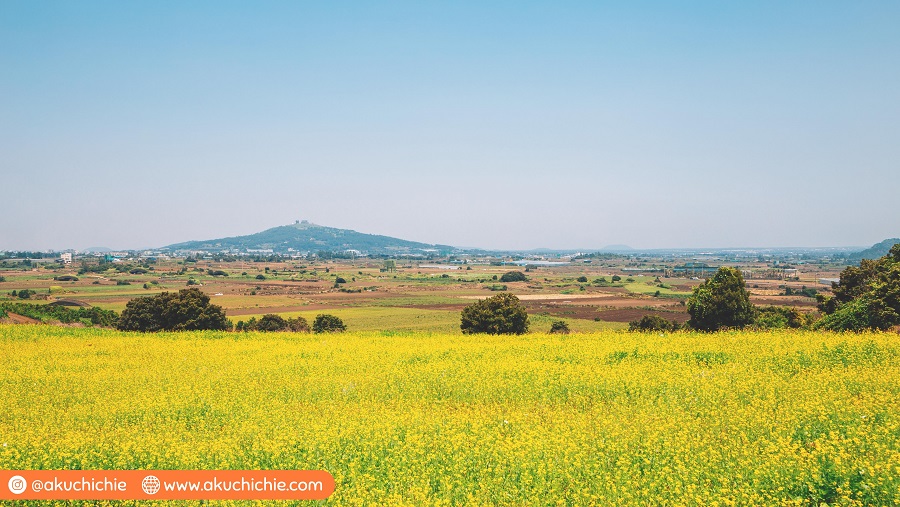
165 484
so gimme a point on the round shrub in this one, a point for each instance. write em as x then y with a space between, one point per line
513 276
325 323
559 327
500 314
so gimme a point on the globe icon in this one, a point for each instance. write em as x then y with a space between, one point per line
150 484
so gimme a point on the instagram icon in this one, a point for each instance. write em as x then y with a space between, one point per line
17 484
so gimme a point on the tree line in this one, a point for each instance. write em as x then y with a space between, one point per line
866 297
92 316
191 310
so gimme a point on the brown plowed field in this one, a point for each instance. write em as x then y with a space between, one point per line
279 309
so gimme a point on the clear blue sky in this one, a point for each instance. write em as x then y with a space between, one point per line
487 124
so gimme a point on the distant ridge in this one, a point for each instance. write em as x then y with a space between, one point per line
876 251
305 237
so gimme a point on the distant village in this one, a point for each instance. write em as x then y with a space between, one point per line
769 264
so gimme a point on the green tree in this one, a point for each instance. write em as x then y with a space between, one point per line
500 314
325 323
271 323
298 325
513 276
867 296
855 315
722 301
779 317
186 310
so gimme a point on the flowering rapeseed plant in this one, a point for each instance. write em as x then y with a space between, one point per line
740 418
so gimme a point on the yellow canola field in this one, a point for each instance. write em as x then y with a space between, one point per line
611 418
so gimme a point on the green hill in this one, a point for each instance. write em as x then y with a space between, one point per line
876 251
305 237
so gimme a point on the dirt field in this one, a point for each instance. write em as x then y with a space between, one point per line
339 286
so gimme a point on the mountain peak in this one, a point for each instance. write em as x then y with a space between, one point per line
304 224
303 237
875 251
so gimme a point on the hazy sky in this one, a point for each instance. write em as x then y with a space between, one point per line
488 124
